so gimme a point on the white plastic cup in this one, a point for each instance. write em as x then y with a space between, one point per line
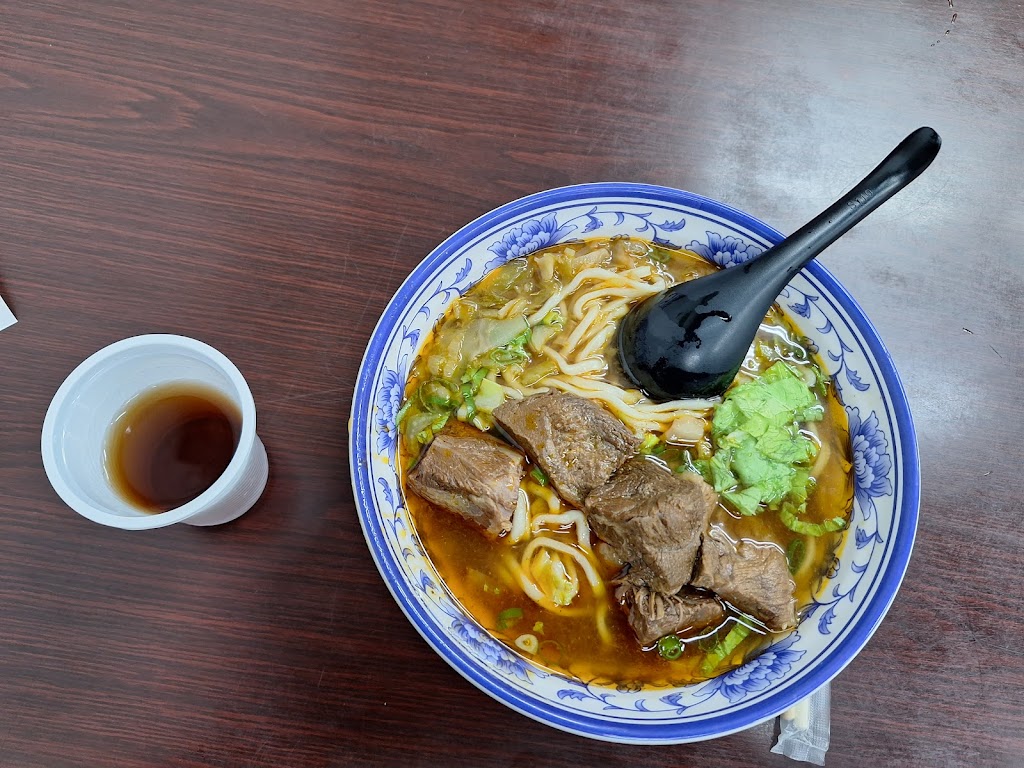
79 418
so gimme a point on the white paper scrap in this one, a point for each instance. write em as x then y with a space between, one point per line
7 318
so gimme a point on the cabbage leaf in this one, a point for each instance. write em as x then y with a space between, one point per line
761 455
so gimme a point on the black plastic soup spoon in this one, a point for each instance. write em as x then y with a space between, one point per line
690 340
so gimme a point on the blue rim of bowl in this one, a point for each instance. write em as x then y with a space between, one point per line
578 722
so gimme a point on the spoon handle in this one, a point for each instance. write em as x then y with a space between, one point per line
779 264
691 339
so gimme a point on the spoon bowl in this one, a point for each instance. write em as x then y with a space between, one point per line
690 340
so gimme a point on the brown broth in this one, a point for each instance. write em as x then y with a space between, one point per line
170 444
473 566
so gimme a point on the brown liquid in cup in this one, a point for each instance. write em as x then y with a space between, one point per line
170 444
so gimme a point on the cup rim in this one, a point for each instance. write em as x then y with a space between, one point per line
49 442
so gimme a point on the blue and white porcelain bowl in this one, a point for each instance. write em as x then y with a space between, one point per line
862 581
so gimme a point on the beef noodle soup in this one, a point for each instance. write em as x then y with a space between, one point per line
596 532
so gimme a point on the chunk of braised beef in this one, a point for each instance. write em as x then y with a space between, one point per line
473 474
753 577
654 519
653 615
575 441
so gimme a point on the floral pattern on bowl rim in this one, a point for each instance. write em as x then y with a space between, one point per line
863 579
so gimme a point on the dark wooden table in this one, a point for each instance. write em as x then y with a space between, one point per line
263 174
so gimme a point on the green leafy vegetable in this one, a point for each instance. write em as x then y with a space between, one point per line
472 399
484 335
474 378
670 647
538 474
554 579
507 275
514 351
436 394
553 319
648 444
538 371
509 617
747 501
471 381
489 395
755 470
779 396
722 477
422 424
778 444
426 435
788 516
701 466
724 649
660 255
467 412
728 415
759 448
688 464
801 486
820 379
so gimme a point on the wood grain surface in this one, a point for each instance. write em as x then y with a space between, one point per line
262 175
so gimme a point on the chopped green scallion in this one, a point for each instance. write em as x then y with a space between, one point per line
514 351
795 553
403 410
670 647
473 378
509 617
